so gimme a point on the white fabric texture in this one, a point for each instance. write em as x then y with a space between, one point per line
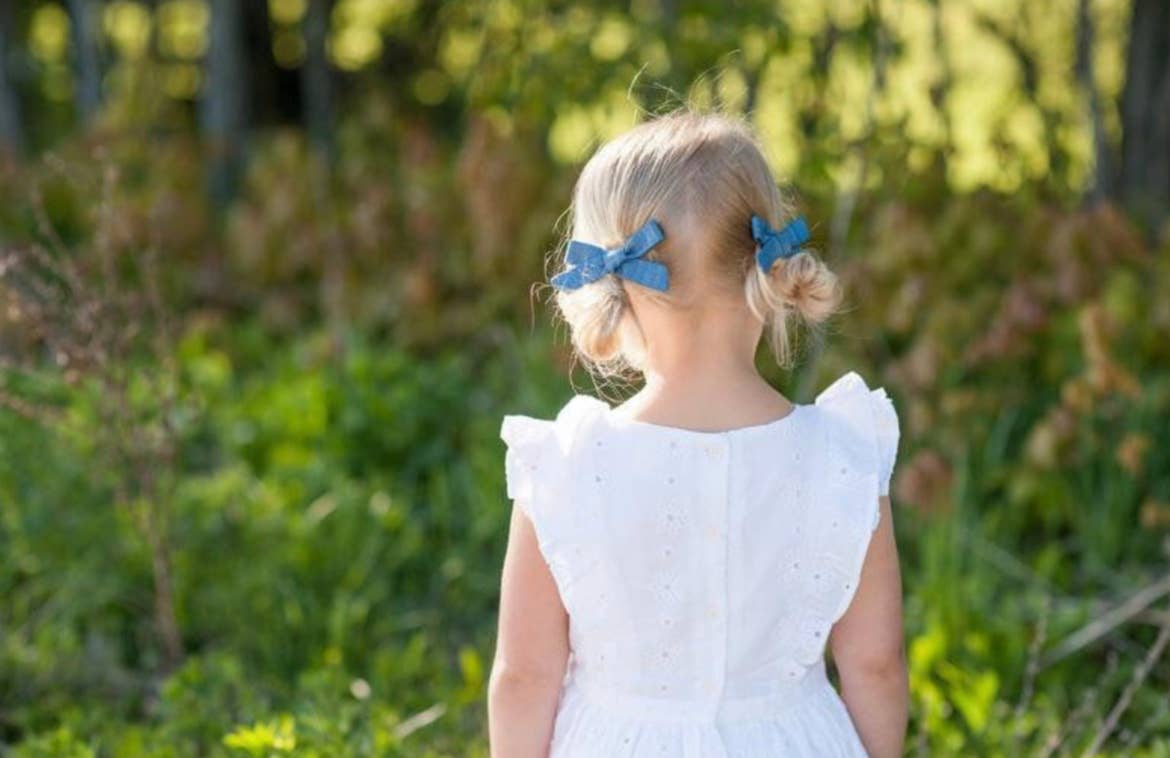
703 571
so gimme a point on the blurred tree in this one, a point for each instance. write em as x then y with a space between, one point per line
224 99
83 27
11 130
1101 182
273 92
102 313
985 93
1144 181
944 81
316 87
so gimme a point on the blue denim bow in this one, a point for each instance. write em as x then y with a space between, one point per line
589 262
777 244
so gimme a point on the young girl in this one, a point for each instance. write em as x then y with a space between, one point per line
677 565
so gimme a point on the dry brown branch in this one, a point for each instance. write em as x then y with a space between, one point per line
1030 671
98 312
1156 717
1080 713
1123 701
28 410
1130 609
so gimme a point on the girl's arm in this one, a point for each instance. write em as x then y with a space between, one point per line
532 649
868 647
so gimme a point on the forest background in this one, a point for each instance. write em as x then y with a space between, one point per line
266 291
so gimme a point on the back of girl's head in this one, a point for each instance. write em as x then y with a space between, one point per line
702 177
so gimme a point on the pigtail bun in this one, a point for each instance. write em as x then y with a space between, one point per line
800 287
808 284
596 313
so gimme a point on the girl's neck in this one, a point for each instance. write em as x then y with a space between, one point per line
704 370
705 384
700 368
706 350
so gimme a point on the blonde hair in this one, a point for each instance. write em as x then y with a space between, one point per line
702 176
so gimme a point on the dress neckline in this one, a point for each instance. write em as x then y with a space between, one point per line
621 421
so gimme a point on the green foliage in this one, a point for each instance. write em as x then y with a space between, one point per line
336 530
340 520
351 335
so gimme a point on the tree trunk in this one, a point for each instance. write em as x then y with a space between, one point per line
165 619
941 86
1144 180
273 91
1099 187
83 26
222 109
315 79
11 129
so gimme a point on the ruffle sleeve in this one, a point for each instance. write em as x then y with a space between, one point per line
860 435
870 424
530 443
540 477
538 451
887 433
534 479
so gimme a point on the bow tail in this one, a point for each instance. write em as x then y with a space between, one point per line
650 274
583 254
647 236
769 253
569 280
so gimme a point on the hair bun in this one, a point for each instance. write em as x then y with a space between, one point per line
596 313
801 285
808 285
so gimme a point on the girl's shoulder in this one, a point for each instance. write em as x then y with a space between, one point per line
862 422
561 430
852 402
539 447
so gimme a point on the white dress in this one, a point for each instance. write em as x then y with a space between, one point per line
702 571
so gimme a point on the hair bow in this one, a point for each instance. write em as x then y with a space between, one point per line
777 244
588 263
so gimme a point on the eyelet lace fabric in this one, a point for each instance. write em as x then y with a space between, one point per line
703 571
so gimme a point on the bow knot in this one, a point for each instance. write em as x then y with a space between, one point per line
615 258
588 262
774 244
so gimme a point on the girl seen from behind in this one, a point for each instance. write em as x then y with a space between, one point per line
679 565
